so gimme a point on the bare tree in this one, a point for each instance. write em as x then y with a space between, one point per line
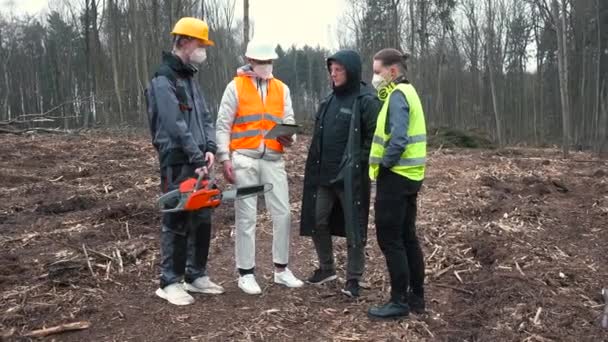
492 65
601 131
559 21
245 23
114 26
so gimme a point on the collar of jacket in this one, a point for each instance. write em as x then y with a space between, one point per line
401 79
247 70
176 64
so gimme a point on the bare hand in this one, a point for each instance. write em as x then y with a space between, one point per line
210 159
228 171
286 141
201 171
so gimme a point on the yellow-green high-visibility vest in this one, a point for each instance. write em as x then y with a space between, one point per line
413 159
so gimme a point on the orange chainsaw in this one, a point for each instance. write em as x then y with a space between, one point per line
194 194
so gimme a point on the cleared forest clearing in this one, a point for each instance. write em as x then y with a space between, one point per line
516 244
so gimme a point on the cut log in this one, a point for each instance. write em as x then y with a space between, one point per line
59 329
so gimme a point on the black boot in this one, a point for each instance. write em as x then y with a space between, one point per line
416 303
392 309
352 288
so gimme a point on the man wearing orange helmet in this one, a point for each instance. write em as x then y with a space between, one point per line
184 137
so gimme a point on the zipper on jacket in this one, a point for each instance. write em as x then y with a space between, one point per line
261 91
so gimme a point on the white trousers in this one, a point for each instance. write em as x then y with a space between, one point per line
250 171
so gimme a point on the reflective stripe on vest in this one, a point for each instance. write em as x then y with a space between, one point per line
401 162
410 140
257 117
254 117
413 159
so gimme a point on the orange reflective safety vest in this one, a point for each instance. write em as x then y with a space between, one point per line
254 117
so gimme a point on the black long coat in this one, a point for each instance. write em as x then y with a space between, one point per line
353 175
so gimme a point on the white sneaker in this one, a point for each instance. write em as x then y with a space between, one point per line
204 285
175 294
287 278
248 284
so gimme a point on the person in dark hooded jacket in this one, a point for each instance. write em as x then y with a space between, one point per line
336 186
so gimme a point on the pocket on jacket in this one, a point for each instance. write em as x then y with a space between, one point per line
343 116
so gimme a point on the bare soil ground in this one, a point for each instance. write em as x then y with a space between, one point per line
516 245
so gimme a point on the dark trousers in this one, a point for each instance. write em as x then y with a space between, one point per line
396 231
185 236
326 198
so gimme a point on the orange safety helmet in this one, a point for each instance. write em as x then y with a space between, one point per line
193 27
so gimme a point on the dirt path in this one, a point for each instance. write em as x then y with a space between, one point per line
516 245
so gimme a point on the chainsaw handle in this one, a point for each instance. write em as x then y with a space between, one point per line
201 177
197 185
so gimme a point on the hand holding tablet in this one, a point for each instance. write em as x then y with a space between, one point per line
286 130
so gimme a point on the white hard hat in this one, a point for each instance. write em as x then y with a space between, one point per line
261 51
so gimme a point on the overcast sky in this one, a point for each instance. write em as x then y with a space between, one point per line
288 22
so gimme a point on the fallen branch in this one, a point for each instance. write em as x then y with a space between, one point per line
59 329
89 249
7 334
120 264
536 320
604 318
454 288
32 130
86 255
443 271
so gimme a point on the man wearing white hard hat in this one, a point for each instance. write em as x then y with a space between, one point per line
252 104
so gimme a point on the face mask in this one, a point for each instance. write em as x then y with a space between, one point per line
379 81
199 55
263 71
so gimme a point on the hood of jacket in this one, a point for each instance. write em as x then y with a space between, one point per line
351 61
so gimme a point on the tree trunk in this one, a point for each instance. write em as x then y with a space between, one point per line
7 107
245 23
413 28
88 57
136 38
22 99
422 32
491 63
581 138
497 119
97 61
144 52
541 101
114 40
602 149
439 112
598 137
562 57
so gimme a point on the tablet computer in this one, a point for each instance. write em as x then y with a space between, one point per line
282 130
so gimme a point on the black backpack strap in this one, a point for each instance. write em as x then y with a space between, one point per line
165 70
180 91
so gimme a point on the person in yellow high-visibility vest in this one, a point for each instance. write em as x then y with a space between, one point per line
397 164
